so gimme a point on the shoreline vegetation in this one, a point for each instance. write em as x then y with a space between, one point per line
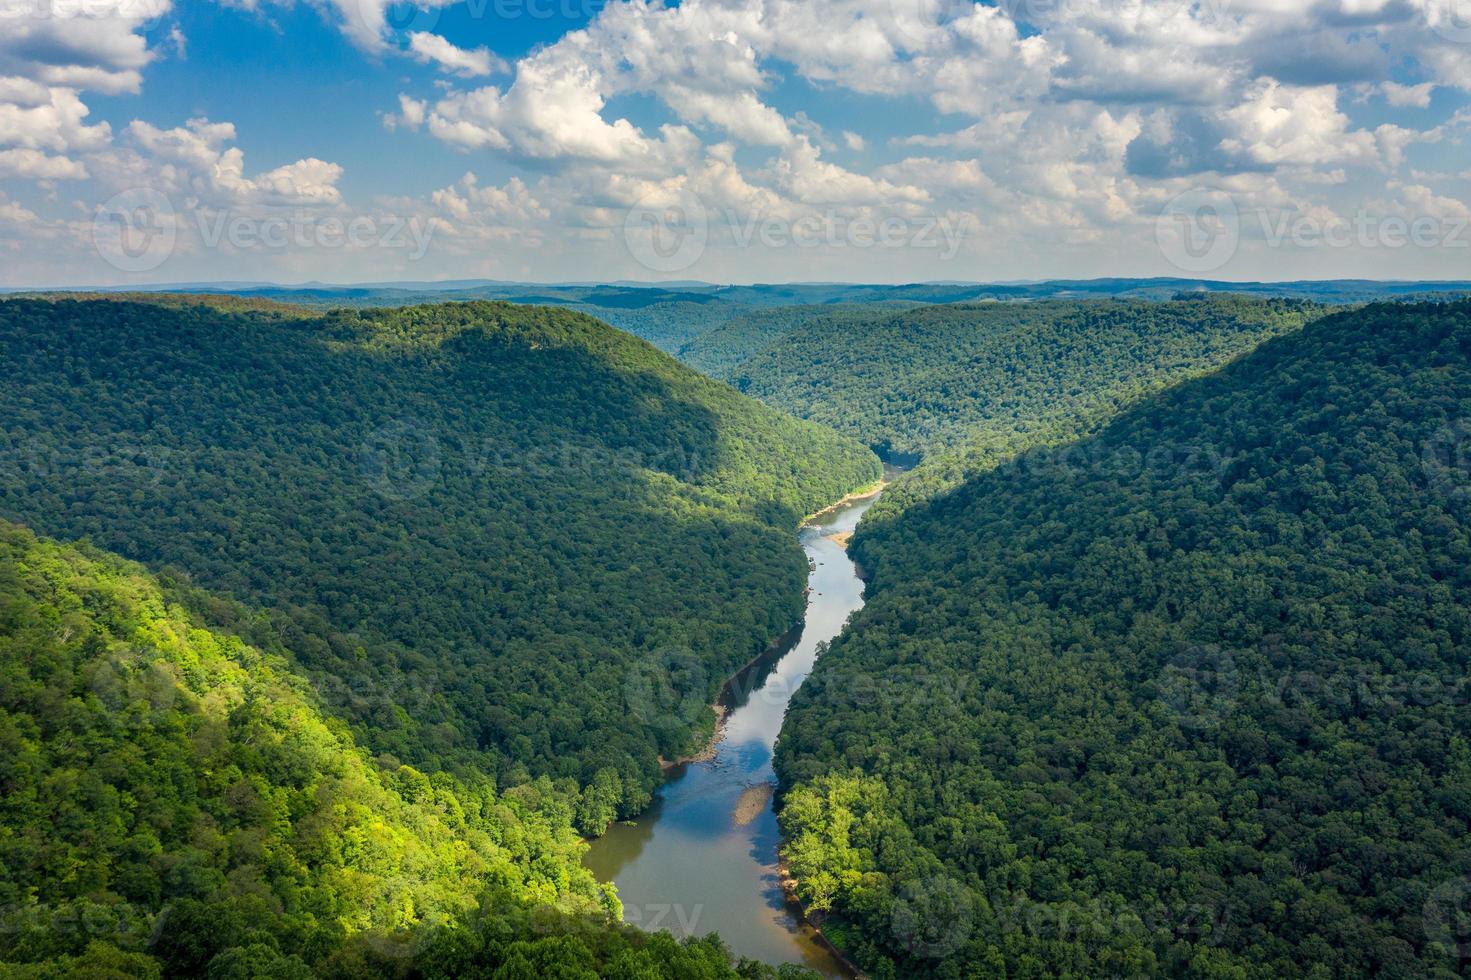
789 893
756 798
778 647
862 493
725 703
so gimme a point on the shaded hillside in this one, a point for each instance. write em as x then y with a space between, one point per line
173 801
502 539
1187 698
984 381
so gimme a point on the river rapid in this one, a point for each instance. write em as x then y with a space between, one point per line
703 857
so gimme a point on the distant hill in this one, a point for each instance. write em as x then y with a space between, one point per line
676 315
722 350
1186 697
989 378
502 540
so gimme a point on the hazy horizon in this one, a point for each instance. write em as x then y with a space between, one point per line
732 141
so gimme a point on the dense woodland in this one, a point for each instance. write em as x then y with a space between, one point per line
502 540
1187 697
721 350
991 377
1162 670
174 801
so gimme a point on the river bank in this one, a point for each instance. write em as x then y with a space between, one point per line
789 889
708 846
860 495
727 698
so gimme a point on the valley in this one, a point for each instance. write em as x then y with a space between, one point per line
704 856
330 632
735 490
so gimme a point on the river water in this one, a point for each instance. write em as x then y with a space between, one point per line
703 858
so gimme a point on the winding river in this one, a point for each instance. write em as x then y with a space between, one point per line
703 858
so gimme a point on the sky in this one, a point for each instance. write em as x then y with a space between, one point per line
732 141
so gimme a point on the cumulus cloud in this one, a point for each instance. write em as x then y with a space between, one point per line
1056 126
49 54
1076 116
429 48
34 165
1407 96
1279 124
805 177
410 115
43 118
13 214
198 160
95 45
553 112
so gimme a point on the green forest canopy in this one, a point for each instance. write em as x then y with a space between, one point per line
503 540
966 385
173 801
1185 698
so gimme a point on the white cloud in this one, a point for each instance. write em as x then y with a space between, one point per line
94 45
410 115
1064 125
197 160
553 112
49 54
466 215
1072 125
803 176
429 48
1280 124
56 123
366 24
14 214
1408 96
35 165
1416 201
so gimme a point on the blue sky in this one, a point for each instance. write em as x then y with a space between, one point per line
146 141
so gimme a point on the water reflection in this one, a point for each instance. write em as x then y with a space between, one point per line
703 858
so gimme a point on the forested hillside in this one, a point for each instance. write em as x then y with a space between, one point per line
988 379
502 540
1188 698
173 800
721 350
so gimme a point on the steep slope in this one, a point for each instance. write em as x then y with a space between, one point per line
173 800
147 760
508 540
1188 699
973 383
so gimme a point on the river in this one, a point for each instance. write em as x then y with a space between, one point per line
703 858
